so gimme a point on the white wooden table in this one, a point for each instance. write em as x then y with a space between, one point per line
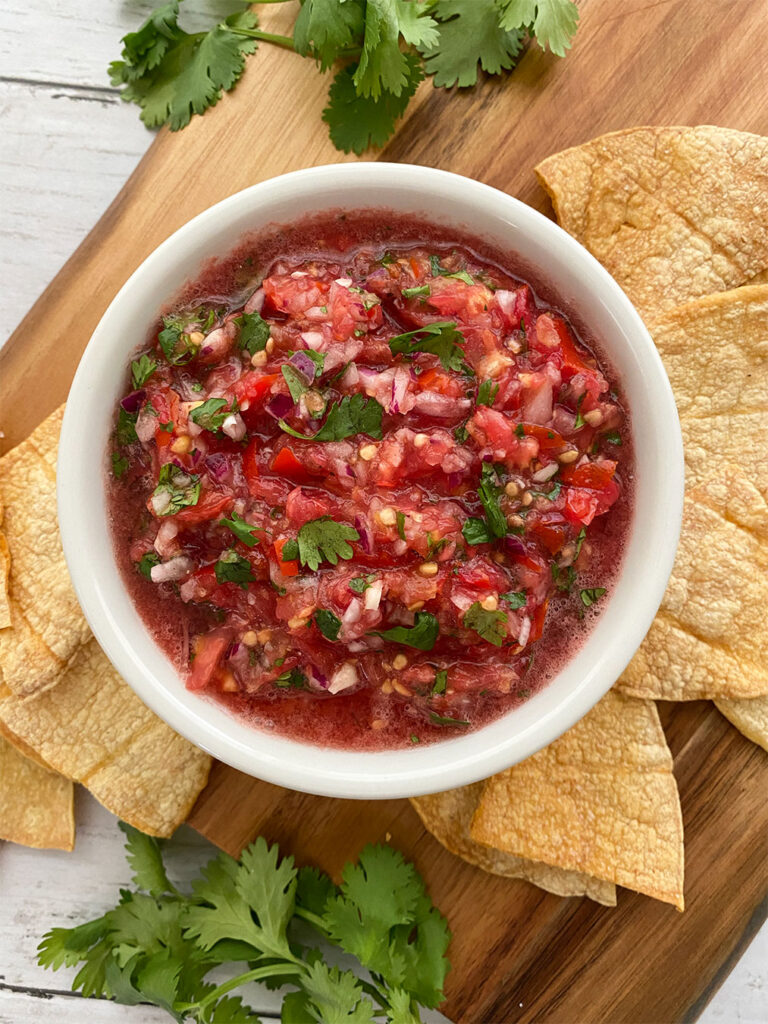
67 144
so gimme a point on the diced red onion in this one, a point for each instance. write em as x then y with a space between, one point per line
372 597
233 649
132 402
366 534
206 350
218 465
351 376
440 405
353 612
400 382
299 273
367 376
506 300
312 339
525 631
145 426
345 282
234 427
304 364
514 544
256 302
545 473
343 678
537 403
174 569
279 406
164 541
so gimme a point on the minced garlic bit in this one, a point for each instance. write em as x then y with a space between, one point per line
387 516
399 688
570 456
420 440
259 358
386 686
367 452
594 417
490 603
196 337
511 489
250 638
269 348
428 569
399 662
526 499
264 636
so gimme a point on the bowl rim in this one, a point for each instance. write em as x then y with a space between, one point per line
330 771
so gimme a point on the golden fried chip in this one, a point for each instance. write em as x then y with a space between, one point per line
47 626
710 636
673 213
602 800
448 817
35 804
715 351
93 728
5 568
749 717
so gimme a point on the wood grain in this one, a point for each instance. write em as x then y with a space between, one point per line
528 955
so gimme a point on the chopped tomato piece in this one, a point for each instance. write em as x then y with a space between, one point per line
289 567
211 505
286 463
208 651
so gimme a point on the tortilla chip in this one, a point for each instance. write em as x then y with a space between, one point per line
93 728
601 800
35 804
448 817
709 639
715 351
749 717
47 624
673 213
5 569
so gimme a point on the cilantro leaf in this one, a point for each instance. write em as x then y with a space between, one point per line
382 63
591 595
476 531
323 540
488 492
442 339
563 578
436 719
173 74
295 381
175 490
337 995
175 343
553 22
212 414
486 393
231 568
254 332
412 293
515 599
490 625
125 432
361 583
469 34
356 122
328 624
400 519
142 369
242 530
354 414
144 855
613 437
119 465
440 683
144 565
269 888
292 678
325 27
422 635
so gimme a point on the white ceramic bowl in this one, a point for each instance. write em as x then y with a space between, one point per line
579 281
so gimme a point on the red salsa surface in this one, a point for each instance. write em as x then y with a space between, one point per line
369 488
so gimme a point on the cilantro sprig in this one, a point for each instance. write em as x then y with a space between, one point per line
159 944
320 540
354 414
422 635
490 625
384 49
442 339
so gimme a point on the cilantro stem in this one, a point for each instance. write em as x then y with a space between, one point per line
268 37
242 979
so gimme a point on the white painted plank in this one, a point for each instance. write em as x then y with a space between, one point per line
65 155
43 889
73 41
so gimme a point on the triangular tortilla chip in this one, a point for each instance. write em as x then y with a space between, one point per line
48 626
602 800
673 213
448 817
35 804
710 637
749 717
93 728
5 569
715 351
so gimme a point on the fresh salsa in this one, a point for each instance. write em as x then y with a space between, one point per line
368 486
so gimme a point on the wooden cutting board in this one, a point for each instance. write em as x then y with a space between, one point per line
518 954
